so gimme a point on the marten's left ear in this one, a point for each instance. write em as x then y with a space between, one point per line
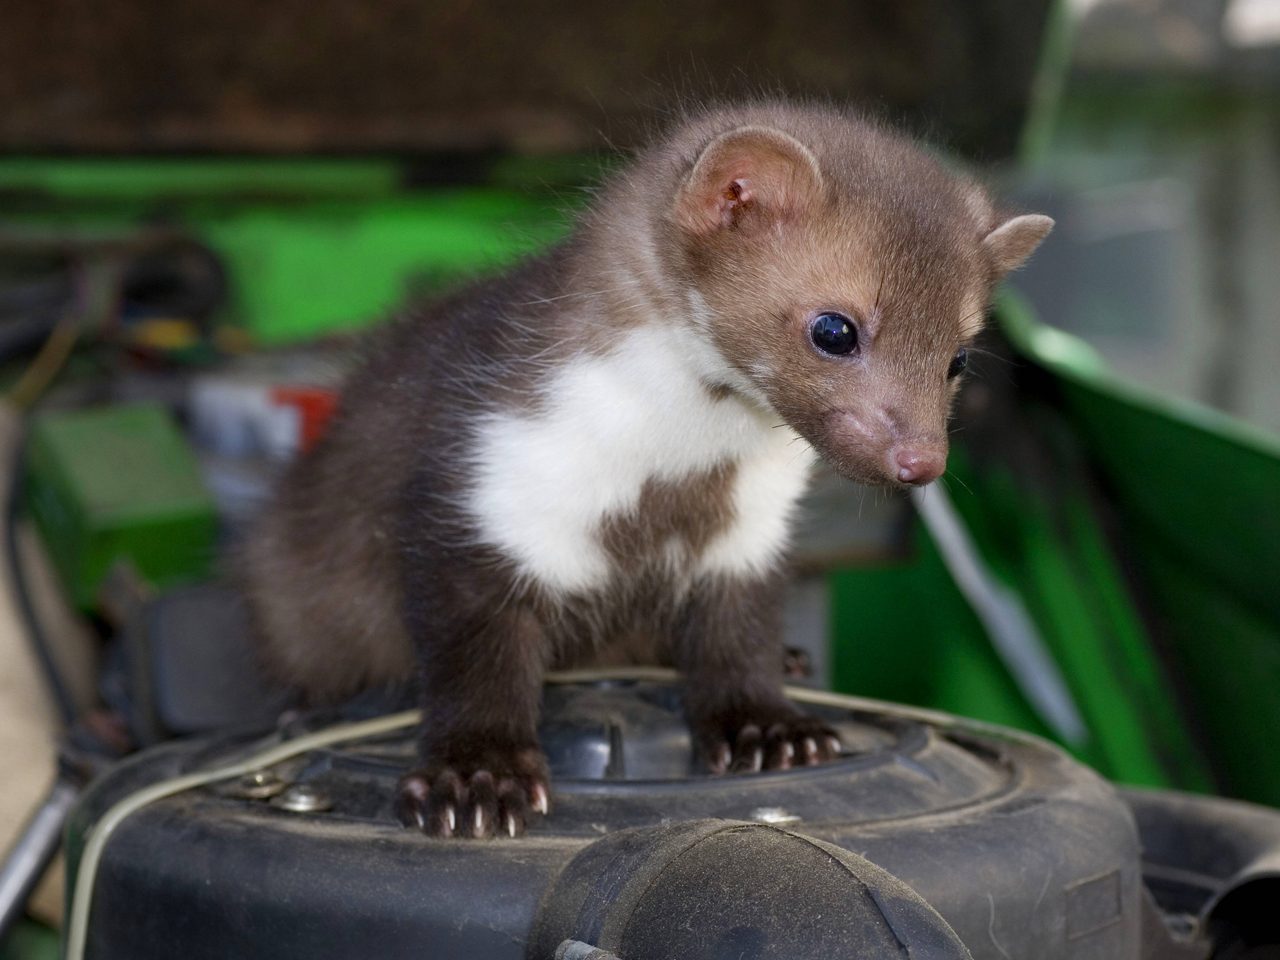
1009 244
746 174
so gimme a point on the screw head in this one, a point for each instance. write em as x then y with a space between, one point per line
303 798
258 785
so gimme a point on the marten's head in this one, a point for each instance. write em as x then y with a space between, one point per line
842 275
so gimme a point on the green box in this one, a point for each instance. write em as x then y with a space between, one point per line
118 482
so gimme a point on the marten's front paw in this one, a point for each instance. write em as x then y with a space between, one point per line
790 742
491 796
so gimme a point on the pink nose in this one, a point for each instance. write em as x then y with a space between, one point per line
919 466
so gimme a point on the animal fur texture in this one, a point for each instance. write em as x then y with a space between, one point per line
598 455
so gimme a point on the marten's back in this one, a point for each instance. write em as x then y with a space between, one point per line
322 569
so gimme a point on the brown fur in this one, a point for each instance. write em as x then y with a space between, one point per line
368 568
685 515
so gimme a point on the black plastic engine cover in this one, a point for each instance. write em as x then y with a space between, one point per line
1023 851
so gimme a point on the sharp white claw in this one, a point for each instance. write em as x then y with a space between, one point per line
834 746
511 825
724 759
757 760
788 750
450 818
478 827
810 750
541 803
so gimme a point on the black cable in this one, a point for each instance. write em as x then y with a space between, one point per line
21 589
30 309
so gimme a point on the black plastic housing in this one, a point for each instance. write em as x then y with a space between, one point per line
1023 851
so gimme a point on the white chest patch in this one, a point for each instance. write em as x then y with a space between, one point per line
544 483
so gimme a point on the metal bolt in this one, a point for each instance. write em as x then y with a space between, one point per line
303 798
577 950
773 815
259 785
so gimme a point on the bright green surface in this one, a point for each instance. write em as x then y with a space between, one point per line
1199 495
114 482
905 632
1047 544
151 179
311 246
331 266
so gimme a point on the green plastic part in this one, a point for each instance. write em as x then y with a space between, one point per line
118 483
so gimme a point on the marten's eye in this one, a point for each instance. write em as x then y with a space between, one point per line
834 334
958 363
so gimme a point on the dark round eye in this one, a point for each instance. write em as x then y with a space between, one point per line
958 363
834 334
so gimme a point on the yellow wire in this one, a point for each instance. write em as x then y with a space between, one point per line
82 895
41 371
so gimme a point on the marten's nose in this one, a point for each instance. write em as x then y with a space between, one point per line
919 466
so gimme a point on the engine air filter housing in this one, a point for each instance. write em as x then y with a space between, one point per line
929 836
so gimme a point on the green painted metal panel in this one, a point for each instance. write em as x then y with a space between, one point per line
902 631
1046 542
334 266
905 632
137 178
311 246
1198 494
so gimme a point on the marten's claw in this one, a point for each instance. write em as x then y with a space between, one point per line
795 741
442 802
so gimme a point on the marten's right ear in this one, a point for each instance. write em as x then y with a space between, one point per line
750 170
1009 244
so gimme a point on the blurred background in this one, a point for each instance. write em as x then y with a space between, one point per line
203 204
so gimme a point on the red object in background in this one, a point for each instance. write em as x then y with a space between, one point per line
316 406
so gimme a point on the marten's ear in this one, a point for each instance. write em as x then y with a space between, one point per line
744 171
1009 244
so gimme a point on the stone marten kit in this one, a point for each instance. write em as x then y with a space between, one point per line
596 457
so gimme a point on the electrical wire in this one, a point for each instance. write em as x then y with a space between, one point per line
1003 615
87 870
48 362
